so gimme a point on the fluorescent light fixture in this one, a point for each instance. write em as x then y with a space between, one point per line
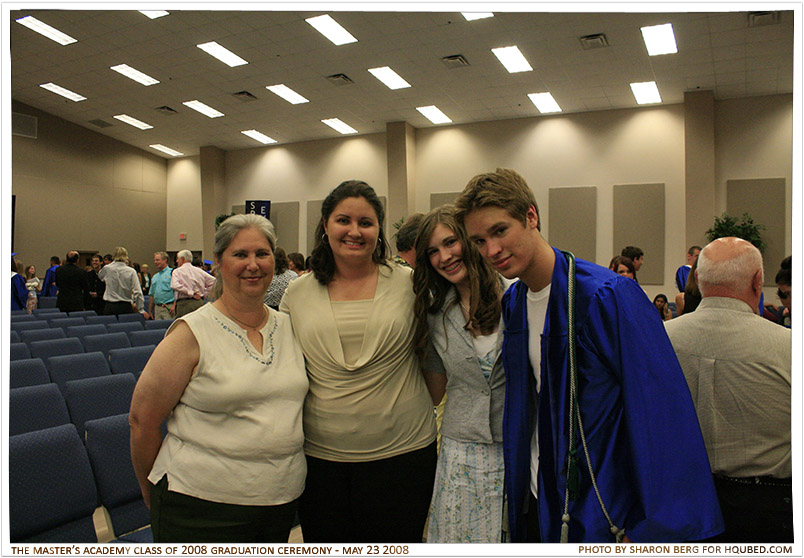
471 16
133 121
206 110
259 136
223 54
58 90
646 92
44 29
389 77
331 29
659 39
136 75
544 102
287 93
163 149
512 59
153 14
434 114
337 124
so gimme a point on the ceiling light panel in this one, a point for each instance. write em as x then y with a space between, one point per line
164 149
134 74
44 29
331 29
221 53
646 93
340 126
287 93
544 102
133 121
389 77
659 39
434 114
259 136
153 14
471 16
206 110
512 59
58 90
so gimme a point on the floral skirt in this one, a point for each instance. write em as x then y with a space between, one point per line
468 495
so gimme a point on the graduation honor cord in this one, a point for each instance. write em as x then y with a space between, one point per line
571 491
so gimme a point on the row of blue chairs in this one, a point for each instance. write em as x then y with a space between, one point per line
103 342
81 331
110 322
49 303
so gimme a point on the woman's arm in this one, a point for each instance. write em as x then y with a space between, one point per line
158 390
436 385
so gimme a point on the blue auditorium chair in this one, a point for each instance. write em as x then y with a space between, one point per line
33 408
82 331
133 317
14 337
82 313
125 327
64 323
25 326
94 398
27 372
130 360
148 337
55 347
106 319
158 324
106 342
41 335
19 350
65 368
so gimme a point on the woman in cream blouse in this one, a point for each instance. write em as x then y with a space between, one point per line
368 418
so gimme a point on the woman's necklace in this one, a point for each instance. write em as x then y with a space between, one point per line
255 327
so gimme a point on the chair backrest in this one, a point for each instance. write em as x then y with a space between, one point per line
82 331
51 490
53 315
130 360
41 334
148 337
45 309
55 347
106 342
133 317
66 322
24 317
33 408
65 368
125 327
28 372
82 313
14 337
19 350
105 319
19 313
33 324
94 398
107 442
158 324
46 303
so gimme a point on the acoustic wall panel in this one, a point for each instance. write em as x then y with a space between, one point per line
285 217
573 220
638 220
764 200
441 198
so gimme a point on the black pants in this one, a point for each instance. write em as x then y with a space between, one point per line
755 510
122 307
386 500
178 518
532 519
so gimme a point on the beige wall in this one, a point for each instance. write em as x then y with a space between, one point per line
78 189
184 205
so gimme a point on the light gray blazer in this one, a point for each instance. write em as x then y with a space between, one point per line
474 408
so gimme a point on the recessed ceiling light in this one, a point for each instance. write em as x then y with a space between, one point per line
337 124
223 54
471 16
287 93
434 114
331 29
163 149
646 92
136 75
659 39
153 14
544 102
206 110
133 121
259 136
512 59
63 92
44 29
389 77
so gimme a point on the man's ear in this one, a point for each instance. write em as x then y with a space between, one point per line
532 218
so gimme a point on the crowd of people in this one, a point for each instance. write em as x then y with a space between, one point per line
571 407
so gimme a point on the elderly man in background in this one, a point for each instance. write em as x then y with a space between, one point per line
161 293
190 284
738 368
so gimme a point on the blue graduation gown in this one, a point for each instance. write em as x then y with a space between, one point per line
644 440
681 277
49 287
19 292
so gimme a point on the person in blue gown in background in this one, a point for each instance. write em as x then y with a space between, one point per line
19 290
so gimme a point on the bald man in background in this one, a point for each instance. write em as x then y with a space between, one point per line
73 284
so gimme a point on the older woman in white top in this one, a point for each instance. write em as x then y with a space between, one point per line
230 380
368 419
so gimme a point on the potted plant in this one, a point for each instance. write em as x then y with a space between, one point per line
745 228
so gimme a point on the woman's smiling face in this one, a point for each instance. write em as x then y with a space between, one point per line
353 230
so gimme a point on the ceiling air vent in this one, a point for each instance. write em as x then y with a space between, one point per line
455 61
23 125
244 96
757 19
166 110
598 40
339 79
100 123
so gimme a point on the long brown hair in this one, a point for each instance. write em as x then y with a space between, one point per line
431 288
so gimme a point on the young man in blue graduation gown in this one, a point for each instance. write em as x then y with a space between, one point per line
49 287
19 290
644 442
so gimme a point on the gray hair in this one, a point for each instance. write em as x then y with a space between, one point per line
236 223
162 255
186 254
734 273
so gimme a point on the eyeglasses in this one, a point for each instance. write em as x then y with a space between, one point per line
782 294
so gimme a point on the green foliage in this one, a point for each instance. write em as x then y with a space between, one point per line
221 218
745 228
398 224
